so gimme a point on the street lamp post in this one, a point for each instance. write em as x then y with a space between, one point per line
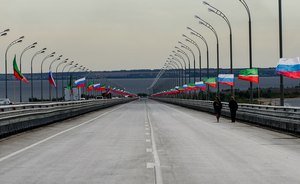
195 33
19 40
50 68
48 56
27 48
182 68
206 24
187 56
31 69
56 72
224 17
62 77
177 68
196 45
281 51
173 68
250 44
189 49
184 62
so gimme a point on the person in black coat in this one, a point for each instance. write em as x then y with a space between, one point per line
217 107
233 108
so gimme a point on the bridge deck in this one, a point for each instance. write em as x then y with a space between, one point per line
116 145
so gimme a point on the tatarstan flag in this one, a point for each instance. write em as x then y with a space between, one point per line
17 72
249 75
90 86
211 82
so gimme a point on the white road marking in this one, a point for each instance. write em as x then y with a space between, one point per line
157 170
147 133
146 125
147 129
55 135
150 165
148 140
149 150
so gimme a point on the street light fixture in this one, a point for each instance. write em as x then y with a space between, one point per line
195 33
56 72
196 45
224 17
19 40
206 24
31 69
62 76
250 44
4 33
48 56
187 56
179 56
189 49
50 68
26 49
281 51
182 68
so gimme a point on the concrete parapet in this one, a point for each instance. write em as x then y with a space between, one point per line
18 118
276 117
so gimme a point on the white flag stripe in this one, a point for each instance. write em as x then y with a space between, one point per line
289 61
226 76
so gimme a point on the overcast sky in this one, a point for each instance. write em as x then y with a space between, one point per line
140 34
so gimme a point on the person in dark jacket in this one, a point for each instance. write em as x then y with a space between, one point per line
217 107
233 108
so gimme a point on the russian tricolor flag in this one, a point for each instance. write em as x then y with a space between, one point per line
80 83
289 67
200 85
51 79
227 79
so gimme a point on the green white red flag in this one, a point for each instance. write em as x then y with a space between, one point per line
17 72
249 75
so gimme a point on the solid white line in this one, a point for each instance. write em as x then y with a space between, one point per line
158 173
55 135
149 150
150 165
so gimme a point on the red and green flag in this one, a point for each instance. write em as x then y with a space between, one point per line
17 72
211 82
90 86
249 75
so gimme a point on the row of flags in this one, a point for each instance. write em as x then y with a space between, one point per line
287 67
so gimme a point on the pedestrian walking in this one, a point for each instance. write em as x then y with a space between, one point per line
217 107
233 108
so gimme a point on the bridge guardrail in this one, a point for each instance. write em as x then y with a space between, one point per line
283 118
18 118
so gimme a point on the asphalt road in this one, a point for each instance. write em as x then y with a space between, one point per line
146 142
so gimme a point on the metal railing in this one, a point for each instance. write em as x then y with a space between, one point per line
285 118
